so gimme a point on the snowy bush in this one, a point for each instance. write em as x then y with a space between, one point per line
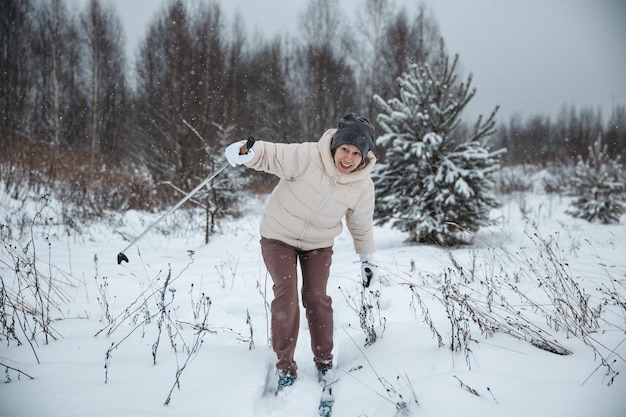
598 187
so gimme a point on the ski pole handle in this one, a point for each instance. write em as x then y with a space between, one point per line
249 144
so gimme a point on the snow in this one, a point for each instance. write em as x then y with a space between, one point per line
226 377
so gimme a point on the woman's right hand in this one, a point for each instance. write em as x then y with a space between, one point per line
235 157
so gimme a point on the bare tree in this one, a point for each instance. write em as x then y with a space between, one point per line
271 107
163 87
48 44
15 61
407 41
235 76
371 25
58 101
105 51
323 83
616 131
183 74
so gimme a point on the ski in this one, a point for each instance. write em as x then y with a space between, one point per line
326 401
327 398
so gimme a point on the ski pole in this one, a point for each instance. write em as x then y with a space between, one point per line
244 149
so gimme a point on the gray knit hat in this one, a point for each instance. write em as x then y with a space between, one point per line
354 130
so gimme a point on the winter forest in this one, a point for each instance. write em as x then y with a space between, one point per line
199 82
94 149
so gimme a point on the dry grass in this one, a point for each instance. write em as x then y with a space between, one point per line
88 185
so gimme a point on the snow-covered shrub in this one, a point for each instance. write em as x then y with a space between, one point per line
515 179
598 187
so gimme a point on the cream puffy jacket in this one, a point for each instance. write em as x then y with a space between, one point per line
306 208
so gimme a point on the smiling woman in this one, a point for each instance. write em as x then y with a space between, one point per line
321 184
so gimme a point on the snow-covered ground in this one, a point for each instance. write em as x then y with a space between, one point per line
107 317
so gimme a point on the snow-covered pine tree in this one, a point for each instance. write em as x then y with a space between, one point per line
598 186
429 184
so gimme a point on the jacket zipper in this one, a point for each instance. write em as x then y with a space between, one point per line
319 208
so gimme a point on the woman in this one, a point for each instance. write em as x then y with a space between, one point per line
320 184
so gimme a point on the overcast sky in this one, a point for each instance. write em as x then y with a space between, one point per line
530 57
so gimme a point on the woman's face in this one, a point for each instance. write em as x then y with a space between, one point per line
347 158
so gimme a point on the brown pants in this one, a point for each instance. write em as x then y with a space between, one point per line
281 262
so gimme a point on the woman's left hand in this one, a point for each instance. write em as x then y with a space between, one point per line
369 269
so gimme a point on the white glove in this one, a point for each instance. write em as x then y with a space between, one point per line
369 269
234 157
